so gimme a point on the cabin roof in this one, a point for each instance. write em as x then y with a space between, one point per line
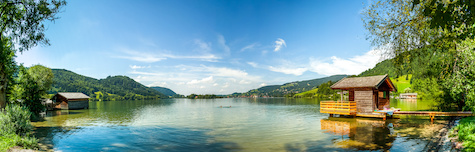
73 95
364 82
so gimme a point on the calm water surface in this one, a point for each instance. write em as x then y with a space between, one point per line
243 124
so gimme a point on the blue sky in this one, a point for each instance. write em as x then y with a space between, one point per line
208 47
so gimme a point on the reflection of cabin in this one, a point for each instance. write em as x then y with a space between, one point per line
71 100
408 96
368 134
365 95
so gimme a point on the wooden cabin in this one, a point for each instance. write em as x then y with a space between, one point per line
71 100
408 96
365 95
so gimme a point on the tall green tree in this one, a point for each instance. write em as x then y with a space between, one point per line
31 86
431 38
21 28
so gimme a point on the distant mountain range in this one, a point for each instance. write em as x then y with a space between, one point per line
110 88
288 88
125 88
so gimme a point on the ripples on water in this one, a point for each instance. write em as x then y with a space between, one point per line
267 124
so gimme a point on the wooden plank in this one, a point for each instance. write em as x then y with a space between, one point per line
434 113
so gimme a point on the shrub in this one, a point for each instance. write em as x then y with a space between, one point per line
466 133
15 119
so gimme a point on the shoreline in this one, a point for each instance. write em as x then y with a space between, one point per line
442 141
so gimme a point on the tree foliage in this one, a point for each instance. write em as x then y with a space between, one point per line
31 86
110 88
430 39
21 28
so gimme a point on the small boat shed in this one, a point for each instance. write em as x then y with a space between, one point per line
71 100
370 93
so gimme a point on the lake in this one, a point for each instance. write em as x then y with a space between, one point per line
234 124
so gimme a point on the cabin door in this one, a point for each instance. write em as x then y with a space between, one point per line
375 101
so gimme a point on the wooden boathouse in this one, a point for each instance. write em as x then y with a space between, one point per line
365 95
369 96
70 100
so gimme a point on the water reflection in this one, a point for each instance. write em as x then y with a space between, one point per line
255 124
360 134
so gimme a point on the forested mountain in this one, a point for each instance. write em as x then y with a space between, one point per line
165 91
289 88
110 88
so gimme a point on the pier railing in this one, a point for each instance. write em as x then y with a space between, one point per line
338 107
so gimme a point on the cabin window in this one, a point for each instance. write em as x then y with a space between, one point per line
382 94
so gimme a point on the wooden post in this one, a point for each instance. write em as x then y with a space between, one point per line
384 118
341 95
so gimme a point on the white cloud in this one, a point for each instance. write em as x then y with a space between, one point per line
207 57
294 71
253 64
249 47
222 43
207 80
262 84
203 46
139 67
278 44
354 65
140 56
155 57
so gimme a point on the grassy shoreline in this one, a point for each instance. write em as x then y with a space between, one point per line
465 133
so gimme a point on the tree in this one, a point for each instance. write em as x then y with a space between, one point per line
429 38
21 28
32 85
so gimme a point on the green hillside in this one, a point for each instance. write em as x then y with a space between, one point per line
402 82
110 88
289 89
165 91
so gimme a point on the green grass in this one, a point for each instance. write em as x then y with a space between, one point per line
401 82
466 133
309 93
12 140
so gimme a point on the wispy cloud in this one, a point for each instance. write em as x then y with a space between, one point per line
207 80
203 46
285 70
222 43
253 64
140 56
354 65
279 43
139 67
249 47
155 57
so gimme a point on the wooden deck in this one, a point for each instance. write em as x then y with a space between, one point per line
349 108
432 114
338 107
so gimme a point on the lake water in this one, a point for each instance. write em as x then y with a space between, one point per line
240 124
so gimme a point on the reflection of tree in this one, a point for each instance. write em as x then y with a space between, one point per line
361 134
46 135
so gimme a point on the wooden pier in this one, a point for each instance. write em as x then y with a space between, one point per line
349 108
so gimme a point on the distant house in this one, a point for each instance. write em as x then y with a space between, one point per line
370 93
71 100
408 96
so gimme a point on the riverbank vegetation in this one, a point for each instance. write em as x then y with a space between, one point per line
206 96
433 41
23 28
465 132
16 129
